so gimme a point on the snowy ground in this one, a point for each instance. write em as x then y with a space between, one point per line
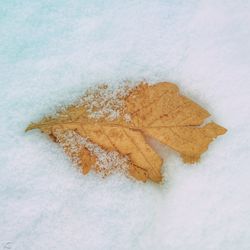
50 51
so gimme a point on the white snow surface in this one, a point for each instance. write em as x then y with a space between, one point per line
51 51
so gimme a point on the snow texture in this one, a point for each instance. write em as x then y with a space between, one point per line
106 161
51 51
105 101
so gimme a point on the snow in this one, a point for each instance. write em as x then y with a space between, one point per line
105 101
107 162
51 51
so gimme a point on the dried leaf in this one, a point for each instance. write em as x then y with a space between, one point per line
105 131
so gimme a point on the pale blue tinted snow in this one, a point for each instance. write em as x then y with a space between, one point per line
50 51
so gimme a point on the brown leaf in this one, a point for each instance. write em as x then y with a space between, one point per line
172 119
87 160
156 110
